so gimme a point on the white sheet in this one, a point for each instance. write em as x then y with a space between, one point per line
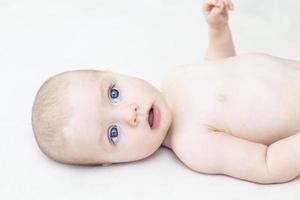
39 38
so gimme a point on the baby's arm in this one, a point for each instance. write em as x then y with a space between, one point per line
214 152
220 39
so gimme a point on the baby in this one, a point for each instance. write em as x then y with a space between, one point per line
232 115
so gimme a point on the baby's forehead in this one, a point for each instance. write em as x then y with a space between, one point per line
85 93
84 99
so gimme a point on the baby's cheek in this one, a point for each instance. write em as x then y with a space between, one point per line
144 147
150 146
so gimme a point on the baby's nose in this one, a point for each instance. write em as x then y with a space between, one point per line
133 121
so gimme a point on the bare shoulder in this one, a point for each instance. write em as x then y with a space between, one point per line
194 148
172 75
191 139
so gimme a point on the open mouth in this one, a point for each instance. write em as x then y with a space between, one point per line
150 117
154 116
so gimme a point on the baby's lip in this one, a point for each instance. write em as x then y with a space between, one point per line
147 115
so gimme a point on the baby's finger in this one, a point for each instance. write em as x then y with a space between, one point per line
231 5
206 6
226 3
209 4
217 10
214 2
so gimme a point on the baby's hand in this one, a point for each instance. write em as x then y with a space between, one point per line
216 12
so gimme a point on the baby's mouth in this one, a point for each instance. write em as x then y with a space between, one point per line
154 116
150 116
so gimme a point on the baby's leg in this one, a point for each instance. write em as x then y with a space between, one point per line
283 159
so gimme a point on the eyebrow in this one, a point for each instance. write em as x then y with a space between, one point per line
103 139
103 91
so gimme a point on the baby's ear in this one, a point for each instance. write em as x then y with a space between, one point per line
105 164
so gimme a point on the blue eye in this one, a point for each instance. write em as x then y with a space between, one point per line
113 134
113 93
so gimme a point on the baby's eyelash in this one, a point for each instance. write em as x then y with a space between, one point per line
113 98
109 88
113 138
112 85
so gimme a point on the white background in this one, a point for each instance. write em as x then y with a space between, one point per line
144 38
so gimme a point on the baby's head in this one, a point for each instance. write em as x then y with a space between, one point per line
99 117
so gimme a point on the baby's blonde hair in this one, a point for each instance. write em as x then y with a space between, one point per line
50 114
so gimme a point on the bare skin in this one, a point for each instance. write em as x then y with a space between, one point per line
235 115
232 115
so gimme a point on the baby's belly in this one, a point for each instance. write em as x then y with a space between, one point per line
255 98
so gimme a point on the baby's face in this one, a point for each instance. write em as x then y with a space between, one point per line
110 118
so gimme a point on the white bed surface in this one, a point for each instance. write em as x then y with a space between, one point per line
141 38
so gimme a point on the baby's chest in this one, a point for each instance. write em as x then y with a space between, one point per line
257 109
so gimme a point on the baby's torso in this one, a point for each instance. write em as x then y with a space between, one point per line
253 96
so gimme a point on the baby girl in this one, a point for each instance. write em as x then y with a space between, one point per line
232 115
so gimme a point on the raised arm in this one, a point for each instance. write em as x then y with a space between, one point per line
214 152
220 39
